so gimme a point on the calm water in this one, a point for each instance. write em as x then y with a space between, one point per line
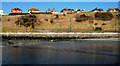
94 51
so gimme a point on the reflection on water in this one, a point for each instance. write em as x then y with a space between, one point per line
61 52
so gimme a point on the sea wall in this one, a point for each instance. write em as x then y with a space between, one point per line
61 35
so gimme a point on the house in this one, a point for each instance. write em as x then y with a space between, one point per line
16 10
66 10
97 10
33 10
49 10
1 12
113 10
80 10
53 11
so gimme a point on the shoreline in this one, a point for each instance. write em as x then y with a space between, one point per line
59 35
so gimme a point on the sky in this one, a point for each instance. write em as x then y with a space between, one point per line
43 6
60 0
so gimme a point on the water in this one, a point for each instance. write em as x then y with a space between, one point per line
94 51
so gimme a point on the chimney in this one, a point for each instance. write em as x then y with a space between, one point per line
96 8
16 7
12 8
76 9
66 7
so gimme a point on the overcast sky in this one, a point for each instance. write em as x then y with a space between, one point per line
60 0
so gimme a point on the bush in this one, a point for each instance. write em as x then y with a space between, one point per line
96 24
103 16
118 16
57 16
18 13
70 13
46 19
98 29
51 21
104 24
80 18
27 20
41 13
64 14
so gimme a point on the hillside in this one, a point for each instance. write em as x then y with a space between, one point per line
60 24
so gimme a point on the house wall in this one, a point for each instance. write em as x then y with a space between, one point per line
14 11
54 12
33 11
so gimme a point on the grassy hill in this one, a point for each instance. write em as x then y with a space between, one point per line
60 24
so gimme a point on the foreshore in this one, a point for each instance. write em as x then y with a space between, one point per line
60 35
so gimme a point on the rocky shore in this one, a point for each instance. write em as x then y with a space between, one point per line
60 35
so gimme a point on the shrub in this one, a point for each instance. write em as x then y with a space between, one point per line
8 19
64 14
41 13
18 13
118 16
57 16
51 21
46 19
98 29
27 20
103 16
80 18
96 24
104 24
70 13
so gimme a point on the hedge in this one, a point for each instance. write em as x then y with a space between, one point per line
18 13
103 16
41 13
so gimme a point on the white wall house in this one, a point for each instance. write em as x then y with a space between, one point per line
1 12
34 10
53 11
80 10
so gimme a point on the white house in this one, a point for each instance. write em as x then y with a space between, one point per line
33 10
1 12
80 10
53 11
113 10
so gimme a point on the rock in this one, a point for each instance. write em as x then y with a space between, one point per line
10 42
15 46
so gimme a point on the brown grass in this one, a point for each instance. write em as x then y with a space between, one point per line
63 22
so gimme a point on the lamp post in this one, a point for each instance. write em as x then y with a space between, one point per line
70 24
115 24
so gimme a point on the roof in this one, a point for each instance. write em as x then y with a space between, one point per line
96 9
33 9
67 10
49 9
17 9
113 9
54 9
80 10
